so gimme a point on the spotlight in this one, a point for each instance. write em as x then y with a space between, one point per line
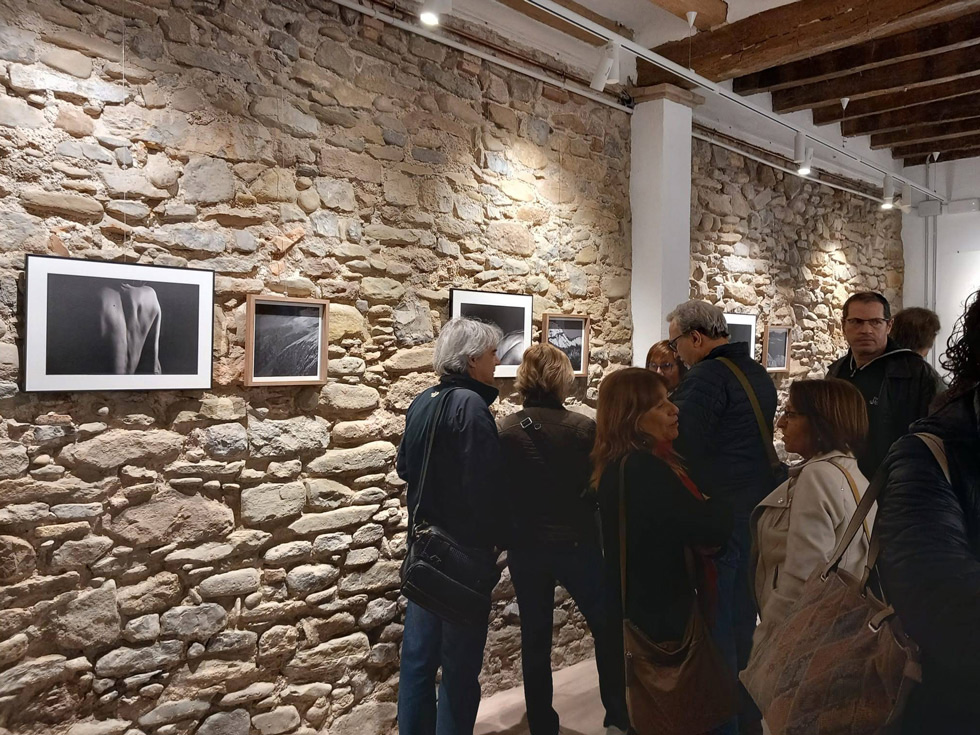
608 71
431 10
691 16
906 205
802 155
807 165
888 193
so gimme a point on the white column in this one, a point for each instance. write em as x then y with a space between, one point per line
660 200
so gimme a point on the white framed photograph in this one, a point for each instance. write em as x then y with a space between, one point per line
286 341
741 328
776 344
570 334
97 326
511 312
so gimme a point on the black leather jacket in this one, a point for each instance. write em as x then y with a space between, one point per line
545 473
930 564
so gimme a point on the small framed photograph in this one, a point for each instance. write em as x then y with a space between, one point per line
570 334
776 345
741 328
99 326
511 312
286 341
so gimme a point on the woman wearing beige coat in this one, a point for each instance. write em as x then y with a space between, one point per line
797 527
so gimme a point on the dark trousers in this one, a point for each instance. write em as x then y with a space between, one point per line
428 643
735 617
579 569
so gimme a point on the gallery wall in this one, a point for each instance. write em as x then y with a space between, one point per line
230 556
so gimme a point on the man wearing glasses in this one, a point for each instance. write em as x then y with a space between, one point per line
896 383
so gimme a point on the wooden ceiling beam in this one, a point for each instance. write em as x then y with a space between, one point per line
711 13
962 33
553 21
945 67
947 156
798 31
925 133
924 149
885 102
958 108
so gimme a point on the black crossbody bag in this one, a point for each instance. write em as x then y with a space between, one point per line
440 574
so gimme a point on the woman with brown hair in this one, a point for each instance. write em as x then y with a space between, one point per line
664 511
663 360
796 528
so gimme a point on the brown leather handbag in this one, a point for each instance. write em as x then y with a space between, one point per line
840 662
678 687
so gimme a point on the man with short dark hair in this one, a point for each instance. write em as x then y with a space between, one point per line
915 329
896 383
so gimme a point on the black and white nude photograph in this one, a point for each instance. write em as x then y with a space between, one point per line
510 312
112 326
570 334
287 340
741 328
776 349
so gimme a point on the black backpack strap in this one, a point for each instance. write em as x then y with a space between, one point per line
430 441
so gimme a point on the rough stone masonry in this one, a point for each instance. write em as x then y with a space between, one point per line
226 562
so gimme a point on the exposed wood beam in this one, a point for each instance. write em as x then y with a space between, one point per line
958 108
924 149
962 33
897 100
925 133
800 30
947 156
944 67
711 13
543 16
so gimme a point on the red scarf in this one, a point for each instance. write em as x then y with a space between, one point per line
708 575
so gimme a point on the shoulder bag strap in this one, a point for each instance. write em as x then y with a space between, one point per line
774 463
855 524
854 492
938 450
436 417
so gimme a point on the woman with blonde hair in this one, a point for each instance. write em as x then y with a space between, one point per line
545 465
662 359
665 513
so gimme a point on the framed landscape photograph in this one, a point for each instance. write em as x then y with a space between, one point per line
570 334
510 312
97 326
776 345
741 328
286 341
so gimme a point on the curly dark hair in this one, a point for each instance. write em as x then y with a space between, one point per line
962 357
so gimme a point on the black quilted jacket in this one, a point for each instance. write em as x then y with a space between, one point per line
930 564
719 435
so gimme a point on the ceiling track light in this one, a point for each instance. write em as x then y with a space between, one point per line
802 155
608 71
888 193
691 17
906 205
807 166
431 11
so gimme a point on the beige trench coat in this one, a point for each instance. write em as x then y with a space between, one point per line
796 528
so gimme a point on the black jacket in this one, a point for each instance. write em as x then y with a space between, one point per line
909 384
662 517
719 434
930 564
461 488
545 472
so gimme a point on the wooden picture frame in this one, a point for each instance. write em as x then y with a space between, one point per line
286 340
570 334
511 312
778 340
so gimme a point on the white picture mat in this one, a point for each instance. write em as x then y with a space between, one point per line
317 379
35 345
460 296
745 320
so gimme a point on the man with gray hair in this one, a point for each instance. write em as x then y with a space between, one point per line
725 451
461 496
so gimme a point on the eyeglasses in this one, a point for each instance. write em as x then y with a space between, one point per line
788 414
672 343
662 365
874 323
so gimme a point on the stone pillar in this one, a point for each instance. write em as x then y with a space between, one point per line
660 199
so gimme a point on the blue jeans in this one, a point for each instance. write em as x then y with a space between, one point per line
428 643
579 569
736 615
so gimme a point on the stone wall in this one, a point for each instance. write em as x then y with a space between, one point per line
769 243
231 557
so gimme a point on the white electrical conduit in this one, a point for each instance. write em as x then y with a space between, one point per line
694 78
760 159
534 74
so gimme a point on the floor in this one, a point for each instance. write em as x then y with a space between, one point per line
576 700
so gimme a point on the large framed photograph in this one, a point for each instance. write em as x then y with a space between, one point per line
776 345
570 334
96 326
286 341
741 328
510 312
